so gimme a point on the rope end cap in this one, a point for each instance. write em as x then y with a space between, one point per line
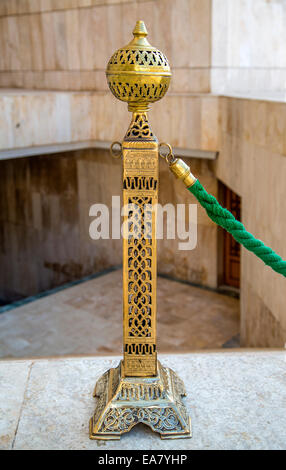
182 171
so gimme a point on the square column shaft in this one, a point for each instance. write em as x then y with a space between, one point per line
140 194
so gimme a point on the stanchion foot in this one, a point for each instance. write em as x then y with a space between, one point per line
123 402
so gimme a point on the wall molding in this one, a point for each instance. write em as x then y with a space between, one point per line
92 144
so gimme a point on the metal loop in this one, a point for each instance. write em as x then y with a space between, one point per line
169 157
116 153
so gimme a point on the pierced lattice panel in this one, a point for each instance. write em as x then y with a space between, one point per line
139 251
153 58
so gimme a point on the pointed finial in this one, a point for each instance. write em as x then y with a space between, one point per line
140 30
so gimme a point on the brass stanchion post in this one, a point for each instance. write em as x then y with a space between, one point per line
139 389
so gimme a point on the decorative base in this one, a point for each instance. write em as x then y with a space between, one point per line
123 402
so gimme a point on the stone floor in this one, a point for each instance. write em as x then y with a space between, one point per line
236 400
86 319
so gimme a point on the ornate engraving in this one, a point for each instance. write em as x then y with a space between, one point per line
147 164
153 58
140 182
140 306
138 73
139 128
140 364
139 390
155 401
151 91
140 348
123 419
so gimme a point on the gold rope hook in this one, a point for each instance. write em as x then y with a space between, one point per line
177 166
169 157
115 153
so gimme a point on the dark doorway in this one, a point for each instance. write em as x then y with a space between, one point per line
230 249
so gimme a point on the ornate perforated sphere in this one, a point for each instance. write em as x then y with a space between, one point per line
138 73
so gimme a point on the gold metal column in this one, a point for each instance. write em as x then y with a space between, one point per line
139 389
140 193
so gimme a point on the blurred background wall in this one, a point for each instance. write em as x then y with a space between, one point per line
66 44
215 45
226 98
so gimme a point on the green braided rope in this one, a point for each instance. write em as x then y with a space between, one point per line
225 219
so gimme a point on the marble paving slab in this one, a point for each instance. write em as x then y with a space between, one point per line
14 377
83 320
237 400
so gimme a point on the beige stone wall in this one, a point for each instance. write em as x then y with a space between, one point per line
65 44
32 118
248 54
44 214
252 162
218 45
45 220
198 266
